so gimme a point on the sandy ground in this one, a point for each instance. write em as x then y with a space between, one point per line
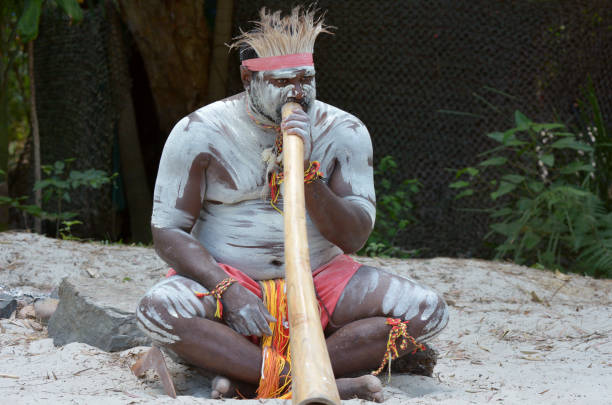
516 335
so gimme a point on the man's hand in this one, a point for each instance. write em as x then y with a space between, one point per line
298 123
244 312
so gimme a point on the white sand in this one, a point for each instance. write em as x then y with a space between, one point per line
516 335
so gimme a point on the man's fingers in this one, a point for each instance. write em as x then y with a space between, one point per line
238 328
253 327
263 326
269 317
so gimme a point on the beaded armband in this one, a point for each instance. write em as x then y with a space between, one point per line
217 292
311 174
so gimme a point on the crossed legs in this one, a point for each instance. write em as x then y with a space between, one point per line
357 334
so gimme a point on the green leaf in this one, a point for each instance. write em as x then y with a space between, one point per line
59 167
464 193
72 8
522 122
576 166
551 126
506 229
498 136
571 143
504 188
502 212
459 184
548 160
531 240
27 26
472 171
535 186
494 161
513 178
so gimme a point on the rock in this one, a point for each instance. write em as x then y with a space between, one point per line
420 363
8 305
98 312
45 308
26 312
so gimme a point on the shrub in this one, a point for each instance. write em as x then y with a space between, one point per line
546 195
394 212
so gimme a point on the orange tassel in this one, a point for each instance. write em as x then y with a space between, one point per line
275 349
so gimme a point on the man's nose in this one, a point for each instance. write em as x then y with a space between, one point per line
298 90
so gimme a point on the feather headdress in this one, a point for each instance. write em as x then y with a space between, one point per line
274 35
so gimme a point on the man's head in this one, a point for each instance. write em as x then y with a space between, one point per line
277 65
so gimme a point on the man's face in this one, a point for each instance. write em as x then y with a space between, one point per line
270 90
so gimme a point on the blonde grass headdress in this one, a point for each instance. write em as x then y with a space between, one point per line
282 42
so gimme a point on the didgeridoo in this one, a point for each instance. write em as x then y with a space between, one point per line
311 372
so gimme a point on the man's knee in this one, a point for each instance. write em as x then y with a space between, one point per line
436 320
424 308
165 303
151 319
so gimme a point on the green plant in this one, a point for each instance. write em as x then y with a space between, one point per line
56 189
393 212
544 190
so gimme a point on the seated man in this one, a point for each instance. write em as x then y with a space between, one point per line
214 224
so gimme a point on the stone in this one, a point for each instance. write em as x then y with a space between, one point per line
99 312
420 363
26 312
44 308
8 305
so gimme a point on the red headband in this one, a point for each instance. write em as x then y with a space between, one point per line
278 62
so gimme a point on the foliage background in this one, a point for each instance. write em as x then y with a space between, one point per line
428 78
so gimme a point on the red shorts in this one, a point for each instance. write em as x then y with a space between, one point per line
329 282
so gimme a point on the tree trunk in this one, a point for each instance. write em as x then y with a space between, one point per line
173 39
217 83
35 134
133 172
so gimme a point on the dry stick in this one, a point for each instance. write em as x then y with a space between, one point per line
35 134
312 375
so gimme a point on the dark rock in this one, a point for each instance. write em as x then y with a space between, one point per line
420 363
8 305
98 312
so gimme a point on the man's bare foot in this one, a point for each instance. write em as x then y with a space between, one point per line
365 387
223 387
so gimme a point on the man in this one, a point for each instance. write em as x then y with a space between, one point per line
214 224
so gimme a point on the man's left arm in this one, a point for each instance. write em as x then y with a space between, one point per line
343 208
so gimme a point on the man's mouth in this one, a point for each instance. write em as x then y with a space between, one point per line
302 102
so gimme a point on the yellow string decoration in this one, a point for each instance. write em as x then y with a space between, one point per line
275 348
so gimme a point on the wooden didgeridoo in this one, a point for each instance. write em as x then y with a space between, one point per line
312 376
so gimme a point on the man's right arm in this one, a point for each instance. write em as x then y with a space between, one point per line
179 192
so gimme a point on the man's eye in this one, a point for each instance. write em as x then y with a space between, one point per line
282 81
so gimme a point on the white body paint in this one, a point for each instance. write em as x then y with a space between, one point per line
236 225
175 298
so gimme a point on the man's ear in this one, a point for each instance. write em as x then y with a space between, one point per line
246 75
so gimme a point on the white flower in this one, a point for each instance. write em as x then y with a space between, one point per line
581 152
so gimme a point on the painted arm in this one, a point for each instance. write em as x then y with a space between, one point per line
179 191
343 209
